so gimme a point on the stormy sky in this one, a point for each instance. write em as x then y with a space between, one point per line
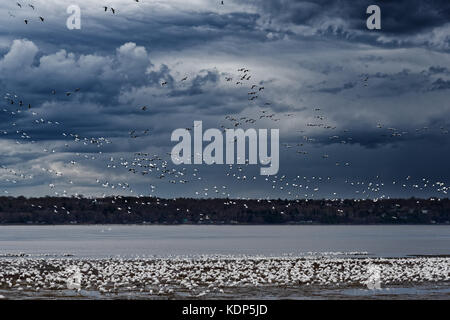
362 113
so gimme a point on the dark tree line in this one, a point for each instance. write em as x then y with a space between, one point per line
128 210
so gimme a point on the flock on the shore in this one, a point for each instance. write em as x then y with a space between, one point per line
209 275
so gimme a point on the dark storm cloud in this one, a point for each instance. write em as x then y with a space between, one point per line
308 55
398 17
440 84
110 86
335 90
401 21
374 139
394 83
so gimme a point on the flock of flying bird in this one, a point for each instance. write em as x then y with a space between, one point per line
158 167
42 19
33 8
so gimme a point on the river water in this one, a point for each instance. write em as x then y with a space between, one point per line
101 241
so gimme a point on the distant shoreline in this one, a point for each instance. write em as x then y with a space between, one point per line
225 224
219 211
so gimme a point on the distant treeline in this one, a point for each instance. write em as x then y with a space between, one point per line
131 210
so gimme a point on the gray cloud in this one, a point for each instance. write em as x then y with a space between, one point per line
440 84
311 57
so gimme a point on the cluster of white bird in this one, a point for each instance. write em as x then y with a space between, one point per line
199 276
